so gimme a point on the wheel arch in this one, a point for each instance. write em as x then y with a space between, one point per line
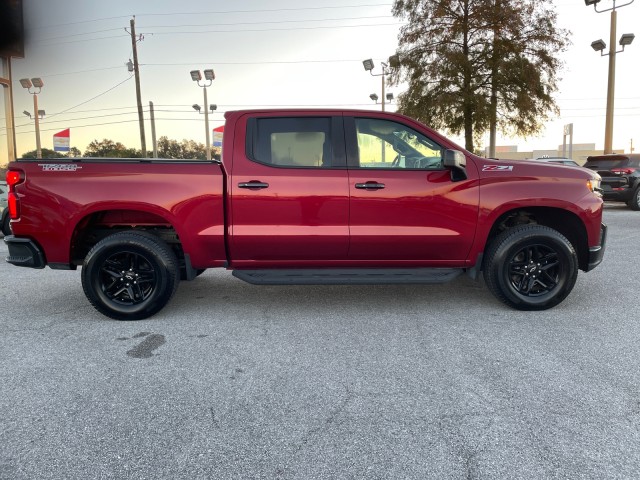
98 224
564 221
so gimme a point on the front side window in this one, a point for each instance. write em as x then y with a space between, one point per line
387 144
292 142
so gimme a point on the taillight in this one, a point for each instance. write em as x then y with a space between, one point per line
623 171
14 177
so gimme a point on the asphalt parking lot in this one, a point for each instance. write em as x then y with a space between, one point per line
234 381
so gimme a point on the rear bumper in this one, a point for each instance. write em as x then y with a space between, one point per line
24 253
597 253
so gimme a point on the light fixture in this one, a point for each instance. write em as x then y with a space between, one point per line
374 97
196 107
37 82
389 96
26 83
213 107
26 113
626 39
394 61
368 64
591 2
42 113
598 45
196 76
209 75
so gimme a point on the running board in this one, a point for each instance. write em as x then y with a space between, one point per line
348 276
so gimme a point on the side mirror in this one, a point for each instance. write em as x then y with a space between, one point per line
456 162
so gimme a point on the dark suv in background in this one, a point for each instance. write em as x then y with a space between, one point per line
620 177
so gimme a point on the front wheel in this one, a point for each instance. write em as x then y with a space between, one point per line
130 275
531 267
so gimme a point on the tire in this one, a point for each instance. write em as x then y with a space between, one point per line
531 267
6 228
130 275
634 201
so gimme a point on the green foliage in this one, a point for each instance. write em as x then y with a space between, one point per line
46 153
187 149
111 149
470 63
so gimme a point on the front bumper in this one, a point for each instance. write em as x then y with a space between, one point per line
597 253
23 252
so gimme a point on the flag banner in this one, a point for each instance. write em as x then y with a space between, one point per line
61 141
217 136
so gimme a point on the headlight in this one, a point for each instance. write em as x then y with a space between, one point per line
594 185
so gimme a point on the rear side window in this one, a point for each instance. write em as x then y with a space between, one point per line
607 163
302 142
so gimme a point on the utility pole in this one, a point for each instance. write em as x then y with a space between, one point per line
136 71
5 81
153 130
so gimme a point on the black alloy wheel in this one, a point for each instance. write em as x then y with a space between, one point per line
130 275
531 267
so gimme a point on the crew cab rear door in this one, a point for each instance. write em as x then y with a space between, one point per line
404 205
289 193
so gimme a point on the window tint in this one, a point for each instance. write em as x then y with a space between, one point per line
292 142
386 144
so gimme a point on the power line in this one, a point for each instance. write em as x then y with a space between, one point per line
263 10
93 98
330 7
234 24
278 29
327 27
267 62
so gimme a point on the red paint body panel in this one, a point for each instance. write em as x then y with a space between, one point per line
306 217
187 195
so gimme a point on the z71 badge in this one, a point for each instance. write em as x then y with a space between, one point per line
497 168
59 167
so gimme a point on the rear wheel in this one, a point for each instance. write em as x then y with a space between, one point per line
130 275
6 228
634 202
531 267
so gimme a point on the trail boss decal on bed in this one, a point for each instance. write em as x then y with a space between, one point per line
59 167
497 168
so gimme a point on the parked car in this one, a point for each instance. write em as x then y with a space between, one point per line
559 160
620 177
4 211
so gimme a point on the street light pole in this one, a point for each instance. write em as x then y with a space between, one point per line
206 123
611 85
196 76
37 118
599 45
394 62
35 83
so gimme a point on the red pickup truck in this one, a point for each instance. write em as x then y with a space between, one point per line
308 197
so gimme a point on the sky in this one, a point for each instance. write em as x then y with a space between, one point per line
276 53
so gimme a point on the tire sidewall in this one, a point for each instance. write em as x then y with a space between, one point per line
163 265
510 245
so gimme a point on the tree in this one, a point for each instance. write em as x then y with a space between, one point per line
46 153
473 65
187 149
109 148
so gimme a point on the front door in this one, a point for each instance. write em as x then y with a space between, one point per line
405 208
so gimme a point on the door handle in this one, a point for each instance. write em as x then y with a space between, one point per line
370 186
253 184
